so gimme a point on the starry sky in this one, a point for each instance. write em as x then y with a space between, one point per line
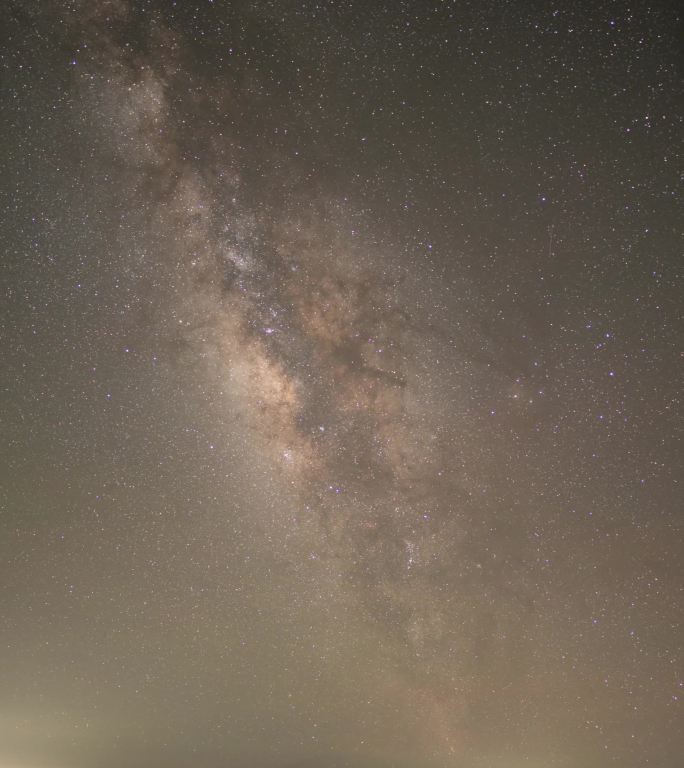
341 352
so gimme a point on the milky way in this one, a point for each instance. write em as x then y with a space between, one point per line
343 347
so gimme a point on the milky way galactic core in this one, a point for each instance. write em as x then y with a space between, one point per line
341 353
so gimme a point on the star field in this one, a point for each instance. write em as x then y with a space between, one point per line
342 349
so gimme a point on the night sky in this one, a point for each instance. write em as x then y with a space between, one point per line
341 354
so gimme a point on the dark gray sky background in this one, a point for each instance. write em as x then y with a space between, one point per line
341 365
